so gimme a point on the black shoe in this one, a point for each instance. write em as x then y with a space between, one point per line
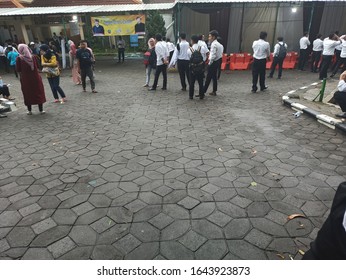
263 89
270 76
190 98
254 91
343 115
164 88
151 89
201 96
332 75
183 89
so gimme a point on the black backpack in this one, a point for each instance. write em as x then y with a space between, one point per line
196 61
86 57
282 51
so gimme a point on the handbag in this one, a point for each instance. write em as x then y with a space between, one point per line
54 71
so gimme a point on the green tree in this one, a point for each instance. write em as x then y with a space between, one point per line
155 24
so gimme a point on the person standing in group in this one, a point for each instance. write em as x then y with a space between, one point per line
220 64
317 47
337 53
304 43
340 95
280 52
201 41
50 63
3 58
261 50
329 45
197 56
161 62
85 62
182 60
12 58
215 59
151 61
30 79
73 63
342 59
170 47
121 49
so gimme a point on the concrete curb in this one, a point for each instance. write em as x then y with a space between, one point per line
321 118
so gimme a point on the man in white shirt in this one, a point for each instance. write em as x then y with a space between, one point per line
197 56
329 45
170 47
337 53
215 58
317 47
280 52
181 58
340 95
161 63
304 43
261 52
201 42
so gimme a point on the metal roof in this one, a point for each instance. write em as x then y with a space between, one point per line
84 9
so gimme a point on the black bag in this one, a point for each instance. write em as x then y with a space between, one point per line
196 61
86 58
152 58
282 51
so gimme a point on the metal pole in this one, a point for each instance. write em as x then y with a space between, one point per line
321 93
276 22
241 28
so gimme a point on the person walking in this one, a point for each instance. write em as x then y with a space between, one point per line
182 60
85 62
261 49
215 59
12 57
280 52
121 49
30 79
317 48
197 56
50 67
151 61
329 45
304 43
73 63
161 62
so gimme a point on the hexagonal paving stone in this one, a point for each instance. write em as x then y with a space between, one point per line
212 250
37 254
102 224
64 217
298 227
258 209
83 235
120 214
44 225
314 208
207 229
283 245
203 210
127 243
99 200
145 232
258 238
175 230
9 218
61 247
192 240
20 236
219 218
50 236
237 229
4 246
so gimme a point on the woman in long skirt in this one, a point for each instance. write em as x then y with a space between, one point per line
30 79
74 65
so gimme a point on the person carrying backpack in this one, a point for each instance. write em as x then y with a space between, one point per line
85 62
197 56
280 52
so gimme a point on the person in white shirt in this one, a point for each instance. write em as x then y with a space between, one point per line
161 63
201 42
261 53
215 58
317 47
340 95
329 45
280 52
3 59
170 47
337 53
181 58
197 56
304 43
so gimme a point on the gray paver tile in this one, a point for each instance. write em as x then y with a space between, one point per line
61 247
192 240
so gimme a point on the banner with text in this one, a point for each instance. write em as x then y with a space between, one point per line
118 25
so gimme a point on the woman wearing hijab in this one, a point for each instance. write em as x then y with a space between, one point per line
73 62
30 79
50 64
150 64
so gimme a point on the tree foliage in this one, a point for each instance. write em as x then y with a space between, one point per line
155 24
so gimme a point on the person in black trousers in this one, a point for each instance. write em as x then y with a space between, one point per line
183 61
329 45
317 47
280 52
261 49
303 53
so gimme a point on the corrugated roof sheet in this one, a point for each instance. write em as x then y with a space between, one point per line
84 9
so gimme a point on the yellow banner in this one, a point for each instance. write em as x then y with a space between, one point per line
118 25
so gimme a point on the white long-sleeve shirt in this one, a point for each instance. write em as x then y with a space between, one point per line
216 51
201 43
277 48
182 52
342 85
304 43
161 52
261 49
329 46
317 45
343 49
203 51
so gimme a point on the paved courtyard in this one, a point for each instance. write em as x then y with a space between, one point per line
131 174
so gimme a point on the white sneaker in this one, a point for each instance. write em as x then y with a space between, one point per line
29 113
42 112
